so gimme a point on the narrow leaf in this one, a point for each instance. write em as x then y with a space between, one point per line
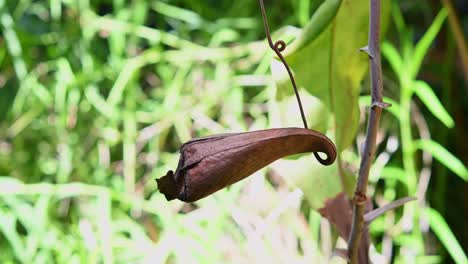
444 157
445 235
318 23
423 45
430 100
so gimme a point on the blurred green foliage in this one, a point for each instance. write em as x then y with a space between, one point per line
97 96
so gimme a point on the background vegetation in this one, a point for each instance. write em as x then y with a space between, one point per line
97 96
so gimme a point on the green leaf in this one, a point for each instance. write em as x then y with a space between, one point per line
423 45
284 111
303 11
283 108
445 235
430 100
331 69
317 24
318 183
444 157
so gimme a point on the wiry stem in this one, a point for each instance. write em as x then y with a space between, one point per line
368 152
278 47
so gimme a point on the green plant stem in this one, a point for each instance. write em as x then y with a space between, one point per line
368 153
406 137
409 166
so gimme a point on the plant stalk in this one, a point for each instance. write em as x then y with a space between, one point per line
368 153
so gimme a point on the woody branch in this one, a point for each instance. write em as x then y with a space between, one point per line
368 153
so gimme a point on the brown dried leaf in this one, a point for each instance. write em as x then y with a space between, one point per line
212 163
339 212
342 253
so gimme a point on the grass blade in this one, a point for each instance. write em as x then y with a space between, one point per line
430 100
444 157
442 230
423 45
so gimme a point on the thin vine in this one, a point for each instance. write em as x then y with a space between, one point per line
278 47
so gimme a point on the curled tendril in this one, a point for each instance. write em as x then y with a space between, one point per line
278 47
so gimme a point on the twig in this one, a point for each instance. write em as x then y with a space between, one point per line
372 215
368 153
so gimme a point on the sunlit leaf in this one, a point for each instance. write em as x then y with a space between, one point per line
320 20
317 182
423 45
286 112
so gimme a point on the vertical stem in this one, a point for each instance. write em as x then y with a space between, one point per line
406 137
368 153
408 153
